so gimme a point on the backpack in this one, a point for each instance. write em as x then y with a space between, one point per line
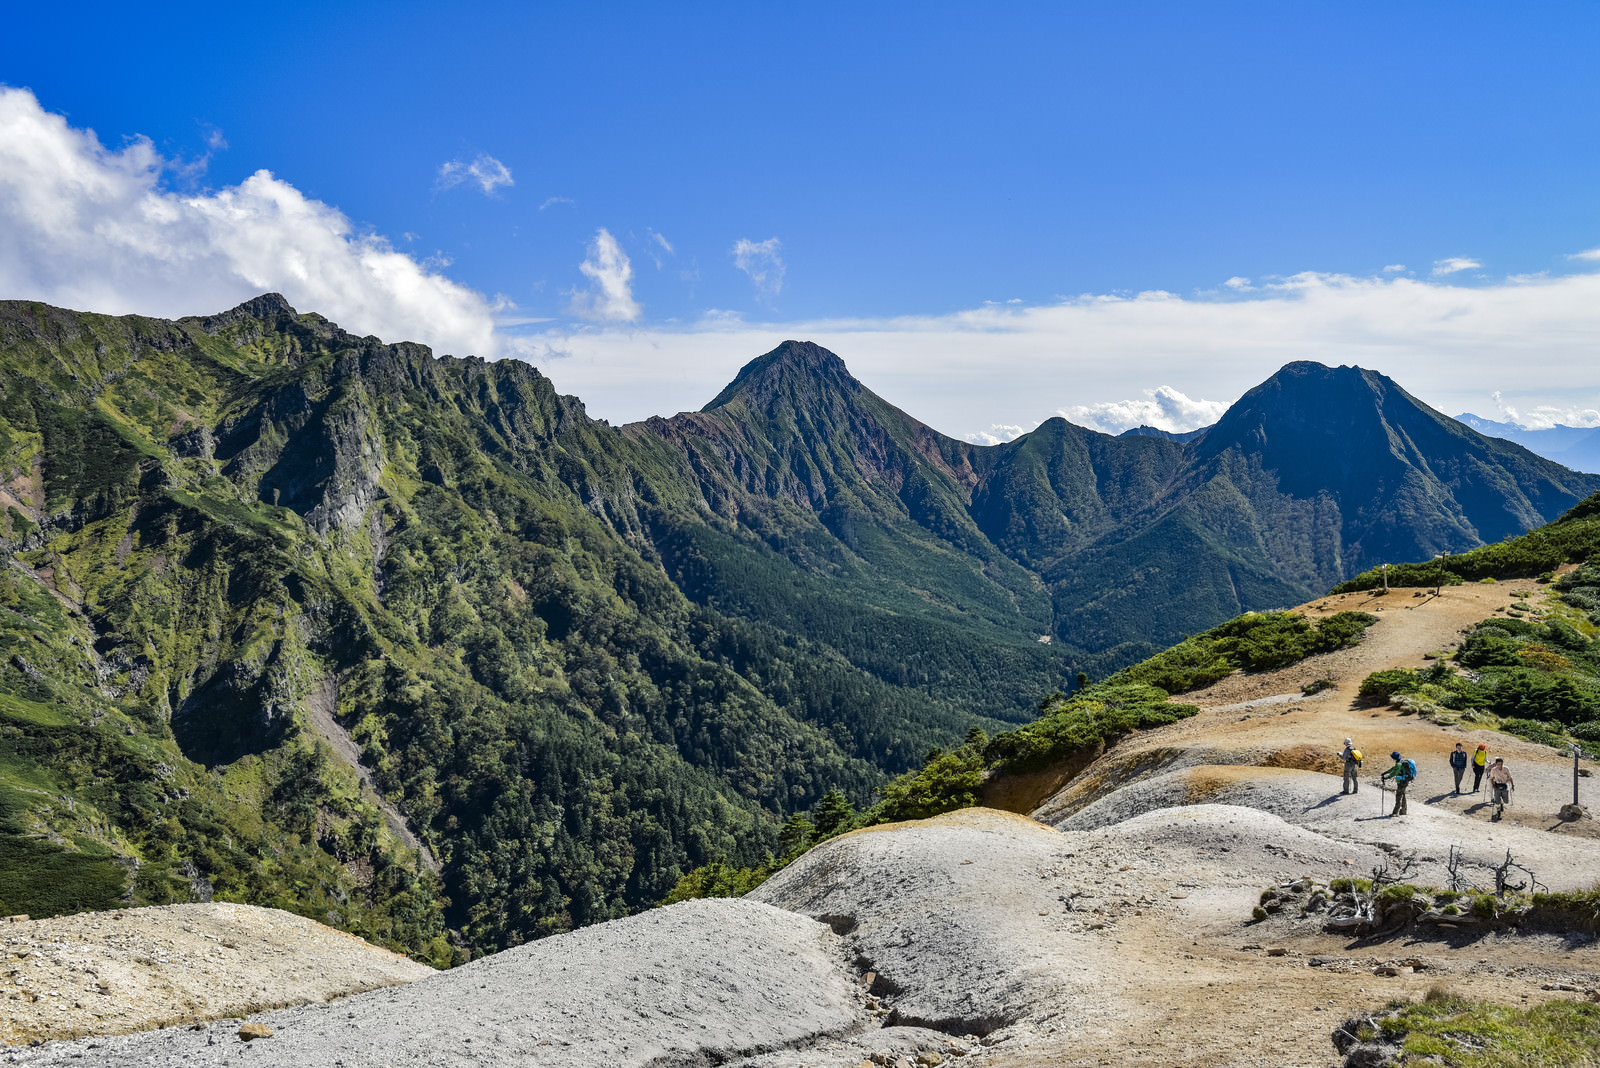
1409 770
1356 755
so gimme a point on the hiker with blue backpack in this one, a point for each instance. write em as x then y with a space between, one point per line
1403 772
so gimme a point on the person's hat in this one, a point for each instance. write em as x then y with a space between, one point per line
1395 755
1348 742
1483 745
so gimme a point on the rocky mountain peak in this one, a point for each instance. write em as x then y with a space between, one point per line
268 306
794 369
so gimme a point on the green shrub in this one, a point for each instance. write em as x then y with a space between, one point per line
1534 730
1255 641
1485 906
1383 685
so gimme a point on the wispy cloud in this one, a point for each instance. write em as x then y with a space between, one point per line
1586 254
549 201
1454 264
656 246
609 298
486 172
1394 268
1163 407
1238 283
762 261
96 228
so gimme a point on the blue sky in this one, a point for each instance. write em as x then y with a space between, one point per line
883 176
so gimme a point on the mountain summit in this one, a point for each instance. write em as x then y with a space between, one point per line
794 369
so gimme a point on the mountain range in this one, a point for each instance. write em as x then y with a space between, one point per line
1577 447
415 645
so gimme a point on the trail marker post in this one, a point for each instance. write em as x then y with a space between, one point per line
1577 751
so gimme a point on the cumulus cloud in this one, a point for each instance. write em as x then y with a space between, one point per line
1236 282
1544 416
1394 268
486 172
1163 407
1454 264
998 434
96 228
609 298
762 261
1450 345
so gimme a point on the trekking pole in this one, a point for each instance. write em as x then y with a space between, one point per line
1382 791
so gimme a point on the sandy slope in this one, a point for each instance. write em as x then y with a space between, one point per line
104 973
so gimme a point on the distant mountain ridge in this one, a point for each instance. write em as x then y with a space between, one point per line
584 659
1357 468
1577 447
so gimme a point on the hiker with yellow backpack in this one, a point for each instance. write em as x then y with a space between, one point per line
1480 760
1352 764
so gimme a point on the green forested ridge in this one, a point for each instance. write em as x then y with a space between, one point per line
581 660
1069 727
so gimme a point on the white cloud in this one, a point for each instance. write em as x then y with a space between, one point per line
487 172
1163 407
1454 264
1236 282
1586 254
548 201
1450 345
658 239
762 261
1394 268
94 228
1544 416
610 297
998 434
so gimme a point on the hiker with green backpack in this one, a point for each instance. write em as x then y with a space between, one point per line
1402 773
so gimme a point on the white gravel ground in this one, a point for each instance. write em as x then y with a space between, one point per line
702 982
951 914
1326 824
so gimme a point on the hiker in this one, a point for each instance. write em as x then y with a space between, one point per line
1480 757
1352 763
1500 785
1402 773
1458 764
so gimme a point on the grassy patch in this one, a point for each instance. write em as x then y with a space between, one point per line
1468 1033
